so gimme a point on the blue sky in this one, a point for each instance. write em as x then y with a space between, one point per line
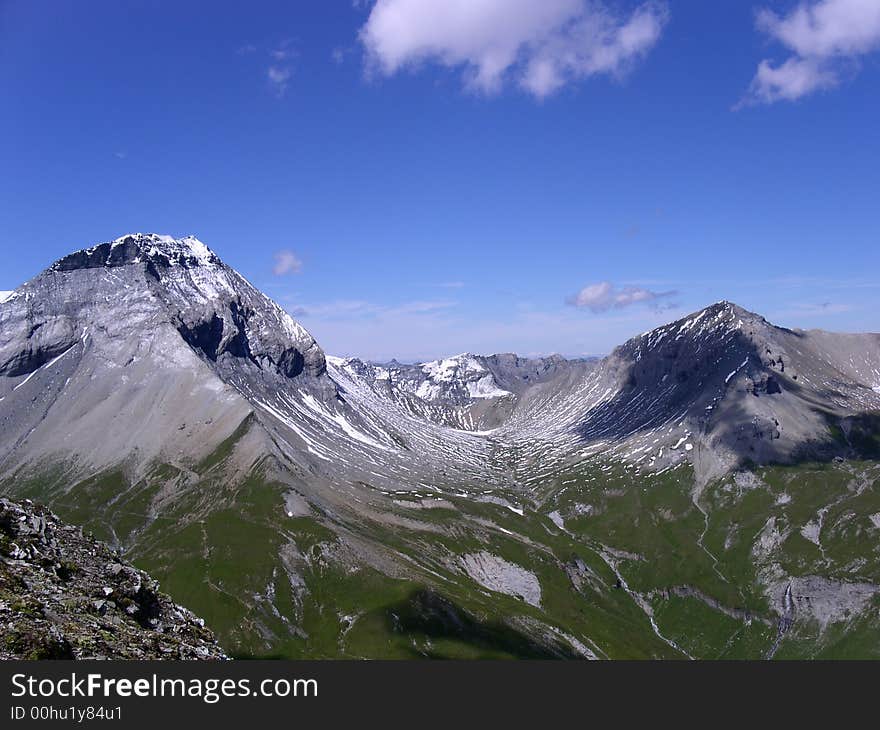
415 178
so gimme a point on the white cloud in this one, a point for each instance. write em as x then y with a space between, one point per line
278 76
826 27
541 45
286 262
824 36
602 296
280 72
791 80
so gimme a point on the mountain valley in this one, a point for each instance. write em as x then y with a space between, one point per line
710 489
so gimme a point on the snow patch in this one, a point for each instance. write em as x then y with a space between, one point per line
349 429
485 387
742 365
462 369
811 531
446 370
189 246
496 574
428 390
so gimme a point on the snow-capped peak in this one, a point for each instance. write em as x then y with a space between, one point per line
188 247
5 296
460 371
141 248
449 368
717 319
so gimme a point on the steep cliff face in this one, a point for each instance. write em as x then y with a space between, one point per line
133 338
741 389
178 282
64 595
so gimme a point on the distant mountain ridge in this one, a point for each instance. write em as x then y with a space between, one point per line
466 391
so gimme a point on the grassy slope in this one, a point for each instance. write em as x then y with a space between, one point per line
217 548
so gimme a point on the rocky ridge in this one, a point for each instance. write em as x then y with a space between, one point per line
65 595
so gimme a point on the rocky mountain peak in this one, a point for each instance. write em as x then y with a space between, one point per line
710 327
141 248
145 296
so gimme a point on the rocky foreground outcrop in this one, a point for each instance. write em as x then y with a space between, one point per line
65 595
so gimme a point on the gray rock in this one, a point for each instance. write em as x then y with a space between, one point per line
47 604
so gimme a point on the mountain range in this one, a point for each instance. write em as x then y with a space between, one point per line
709 489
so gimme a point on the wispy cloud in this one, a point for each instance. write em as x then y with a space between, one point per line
339 54
540 46
811 309
828 308
286 262
812 285
279 77
603 296
283 53
351 309
280 69
424 330
120 154
835 315
826 39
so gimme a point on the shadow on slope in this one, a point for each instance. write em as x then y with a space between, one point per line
760 439
774 419
439 629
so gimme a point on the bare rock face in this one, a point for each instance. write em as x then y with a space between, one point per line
181 281
67 596
144 324
719 389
